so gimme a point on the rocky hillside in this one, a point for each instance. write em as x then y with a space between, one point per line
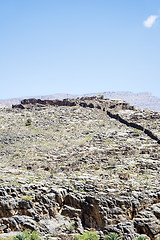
80 164
140 100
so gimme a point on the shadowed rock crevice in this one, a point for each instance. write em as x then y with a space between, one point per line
134 125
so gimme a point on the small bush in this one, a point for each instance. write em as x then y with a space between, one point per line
88 236
71 227
28 122
140 238
27 235
7 238
112 236
27 198
101 96
20 237
8 109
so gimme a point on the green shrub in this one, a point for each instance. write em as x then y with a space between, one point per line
8 109
28 122
20 237
88 236
140 238
71 227
101 96
7 238
35 236
27 235
27 198
112 236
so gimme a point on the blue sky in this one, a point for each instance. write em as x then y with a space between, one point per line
79 46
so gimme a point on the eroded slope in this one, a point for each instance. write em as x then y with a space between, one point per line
76 165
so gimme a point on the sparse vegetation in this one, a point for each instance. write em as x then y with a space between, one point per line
88 236
113 236
28 122
101 96
7 238
27 198
140 238
28 235
71 227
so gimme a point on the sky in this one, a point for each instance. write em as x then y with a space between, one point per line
79 46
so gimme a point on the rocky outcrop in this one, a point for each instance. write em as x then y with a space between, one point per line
26 207
93 102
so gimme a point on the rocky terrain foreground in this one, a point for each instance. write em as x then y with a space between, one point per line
80 164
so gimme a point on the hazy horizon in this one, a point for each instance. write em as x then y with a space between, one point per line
54 94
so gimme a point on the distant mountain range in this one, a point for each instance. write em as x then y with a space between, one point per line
143 100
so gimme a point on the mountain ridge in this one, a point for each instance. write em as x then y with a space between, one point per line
144 100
